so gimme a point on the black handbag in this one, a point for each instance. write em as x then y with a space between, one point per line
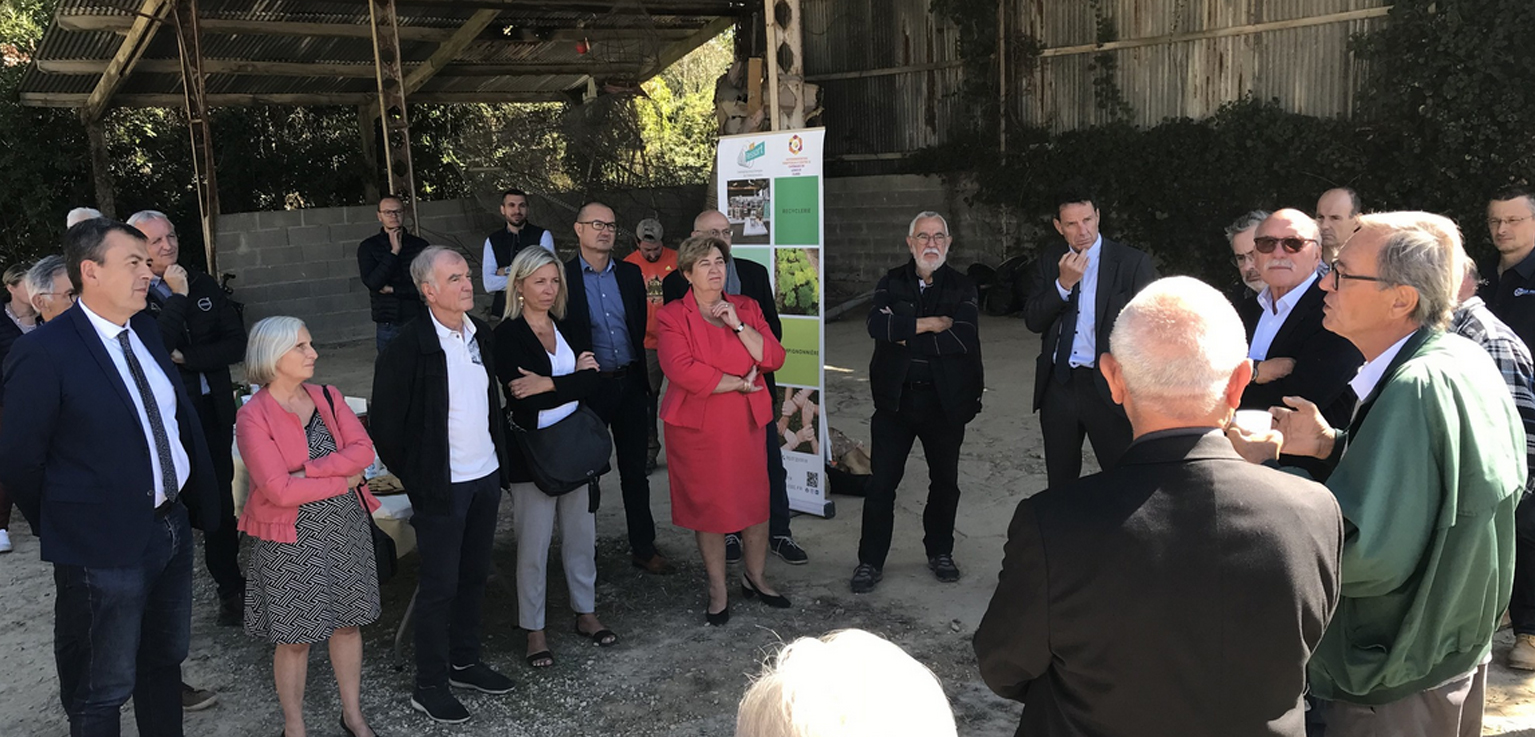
567 455
385 556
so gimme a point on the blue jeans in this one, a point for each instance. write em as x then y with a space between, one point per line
123 631
386 332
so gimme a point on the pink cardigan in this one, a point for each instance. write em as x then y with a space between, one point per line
273 445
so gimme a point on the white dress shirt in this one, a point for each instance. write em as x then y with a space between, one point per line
562 362
1374 370
164 395
471 450
495 282
1274 315
1084 350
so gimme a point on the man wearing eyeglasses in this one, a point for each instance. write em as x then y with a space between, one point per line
1292 354
607 298
384 260
1509 291
1427 472
1078 290
750 279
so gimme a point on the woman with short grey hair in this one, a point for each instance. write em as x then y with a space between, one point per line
312 576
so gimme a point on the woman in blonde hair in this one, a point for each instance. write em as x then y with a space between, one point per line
547 372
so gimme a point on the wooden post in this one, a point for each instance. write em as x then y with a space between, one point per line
793 37
1002 76
101 174
770 25
753 86
367 117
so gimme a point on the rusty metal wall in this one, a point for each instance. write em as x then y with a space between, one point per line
1308 70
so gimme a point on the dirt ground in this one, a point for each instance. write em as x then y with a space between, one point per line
671 675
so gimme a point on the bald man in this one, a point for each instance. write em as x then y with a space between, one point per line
1292 354
1337 216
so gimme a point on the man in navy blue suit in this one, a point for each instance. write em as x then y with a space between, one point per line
110 469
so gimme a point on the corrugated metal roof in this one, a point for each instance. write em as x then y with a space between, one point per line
526 40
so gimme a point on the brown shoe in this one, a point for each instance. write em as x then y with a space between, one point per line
196 699
654 564
1523 654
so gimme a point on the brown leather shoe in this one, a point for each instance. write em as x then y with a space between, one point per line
654 564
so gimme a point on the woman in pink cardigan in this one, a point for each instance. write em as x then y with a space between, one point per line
312 576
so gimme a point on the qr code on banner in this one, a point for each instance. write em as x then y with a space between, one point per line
812 480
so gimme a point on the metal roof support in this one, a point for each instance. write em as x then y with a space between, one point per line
189 42
391 104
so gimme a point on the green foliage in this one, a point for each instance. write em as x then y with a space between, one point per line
676 117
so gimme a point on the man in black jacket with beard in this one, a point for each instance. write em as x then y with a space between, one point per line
927 380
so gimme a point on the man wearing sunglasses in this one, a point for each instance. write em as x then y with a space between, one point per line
1078 290
607 299
1292 354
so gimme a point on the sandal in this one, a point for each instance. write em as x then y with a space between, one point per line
603 637
541 659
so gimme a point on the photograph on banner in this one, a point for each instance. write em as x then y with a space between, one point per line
798 281
799 419
797 211
749 207
761 255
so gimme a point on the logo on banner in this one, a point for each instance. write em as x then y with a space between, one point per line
796 145
751 152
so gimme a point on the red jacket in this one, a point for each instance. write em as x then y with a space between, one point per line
273 445
694 374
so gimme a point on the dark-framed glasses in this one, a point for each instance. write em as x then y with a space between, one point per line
598 225
1266 244
391 213
926 238
1338 277
1510 222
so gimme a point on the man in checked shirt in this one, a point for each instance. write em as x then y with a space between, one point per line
1475 321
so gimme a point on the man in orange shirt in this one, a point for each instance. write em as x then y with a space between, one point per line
655 261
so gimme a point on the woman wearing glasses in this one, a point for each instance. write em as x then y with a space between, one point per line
713 347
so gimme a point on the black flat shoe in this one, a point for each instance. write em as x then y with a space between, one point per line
718 618
749 591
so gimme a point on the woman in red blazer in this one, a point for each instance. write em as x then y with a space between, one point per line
311 575
712 346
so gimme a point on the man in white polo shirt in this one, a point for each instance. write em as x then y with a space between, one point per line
444 440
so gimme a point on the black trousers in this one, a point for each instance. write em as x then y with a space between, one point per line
622 402
921 417
221 546
1072 410
1521 608
455 548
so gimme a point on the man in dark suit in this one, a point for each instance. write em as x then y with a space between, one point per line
204 334
1292 354
437 423
607 299
1078 290
111 469
1182 591
750 279
384 260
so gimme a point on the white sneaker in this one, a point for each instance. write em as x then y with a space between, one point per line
5 541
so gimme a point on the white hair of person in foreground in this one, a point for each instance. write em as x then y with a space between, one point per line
79 215
849 683
1176 345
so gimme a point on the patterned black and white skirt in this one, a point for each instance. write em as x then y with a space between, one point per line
301 592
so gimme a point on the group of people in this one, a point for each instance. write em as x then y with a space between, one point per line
1338 569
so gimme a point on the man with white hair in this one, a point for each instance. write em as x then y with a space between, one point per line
927 380
49 288
1427 472
79 215
1183 588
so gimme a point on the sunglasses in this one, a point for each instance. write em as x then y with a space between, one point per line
1267 243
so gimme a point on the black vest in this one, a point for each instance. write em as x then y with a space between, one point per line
505 244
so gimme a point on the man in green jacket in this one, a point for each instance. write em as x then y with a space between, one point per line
1423 474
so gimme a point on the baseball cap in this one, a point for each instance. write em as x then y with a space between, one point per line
649 229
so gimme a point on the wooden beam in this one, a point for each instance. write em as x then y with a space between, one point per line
122 23
599 7
674 53
101 170
151 13
1247 30
340 71
449 50
66 99
887 71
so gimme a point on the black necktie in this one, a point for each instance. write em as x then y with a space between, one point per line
1067 337
151 408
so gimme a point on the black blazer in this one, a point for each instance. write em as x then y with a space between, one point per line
755 283
517 347
409 415
1122 272
954 355
78 463
207 329
379 268
1324 361
1180 593
631 289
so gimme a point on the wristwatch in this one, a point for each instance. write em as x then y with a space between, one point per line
740 326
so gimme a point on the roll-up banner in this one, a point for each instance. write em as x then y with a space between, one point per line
770 187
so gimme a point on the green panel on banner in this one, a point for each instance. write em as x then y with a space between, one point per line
797 211
802 346
760 255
